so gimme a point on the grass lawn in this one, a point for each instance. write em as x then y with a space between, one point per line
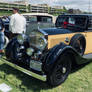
78 81
5 13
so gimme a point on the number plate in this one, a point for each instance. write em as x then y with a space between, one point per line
36 65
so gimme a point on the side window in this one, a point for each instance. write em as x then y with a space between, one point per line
77 21
81 21
33 19
46 19
71 20
49 20
90 24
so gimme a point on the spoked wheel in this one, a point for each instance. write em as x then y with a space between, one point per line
60 71
78 41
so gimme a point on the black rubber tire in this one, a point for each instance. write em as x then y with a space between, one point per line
18 53
9 48
53 76
6 41
78 41
14 51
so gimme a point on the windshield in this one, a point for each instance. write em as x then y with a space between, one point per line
31 18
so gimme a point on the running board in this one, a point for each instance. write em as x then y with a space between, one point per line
87 56
30 73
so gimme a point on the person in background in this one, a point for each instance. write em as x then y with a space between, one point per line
2 28
17 23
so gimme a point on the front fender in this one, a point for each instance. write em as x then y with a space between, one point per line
57 51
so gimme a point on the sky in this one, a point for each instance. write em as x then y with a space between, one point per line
76 4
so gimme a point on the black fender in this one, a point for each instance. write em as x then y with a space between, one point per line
10 47
57 51
82 39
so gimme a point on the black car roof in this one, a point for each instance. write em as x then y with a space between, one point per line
79 15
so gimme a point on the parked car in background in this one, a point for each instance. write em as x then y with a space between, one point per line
40 17
39 20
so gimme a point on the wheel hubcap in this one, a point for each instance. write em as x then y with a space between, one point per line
18 49
18 52
64 70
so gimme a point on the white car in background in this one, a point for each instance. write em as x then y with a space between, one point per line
39 20
34 21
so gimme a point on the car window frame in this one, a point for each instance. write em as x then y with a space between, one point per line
79 17
90 18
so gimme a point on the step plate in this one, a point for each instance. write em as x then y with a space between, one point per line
88 56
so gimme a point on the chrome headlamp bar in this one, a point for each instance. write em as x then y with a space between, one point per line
42 43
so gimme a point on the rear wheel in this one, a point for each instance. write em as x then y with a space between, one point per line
79 43
60 71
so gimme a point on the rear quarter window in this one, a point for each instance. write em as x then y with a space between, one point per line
90 23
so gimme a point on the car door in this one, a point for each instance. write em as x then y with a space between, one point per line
88 35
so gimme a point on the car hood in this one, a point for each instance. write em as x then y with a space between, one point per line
55 31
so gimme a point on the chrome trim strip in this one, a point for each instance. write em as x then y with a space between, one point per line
30 73
43 32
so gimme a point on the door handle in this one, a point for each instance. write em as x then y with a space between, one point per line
67 40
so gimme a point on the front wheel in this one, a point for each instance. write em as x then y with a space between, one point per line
60 71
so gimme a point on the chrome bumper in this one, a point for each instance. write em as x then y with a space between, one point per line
35 75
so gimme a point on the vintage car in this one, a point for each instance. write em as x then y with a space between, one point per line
49 54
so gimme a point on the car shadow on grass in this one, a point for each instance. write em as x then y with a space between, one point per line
78 67
25 82
21 80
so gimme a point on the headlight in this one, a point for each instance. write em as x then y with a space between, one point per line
37 39
30 51
21 38
42 42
